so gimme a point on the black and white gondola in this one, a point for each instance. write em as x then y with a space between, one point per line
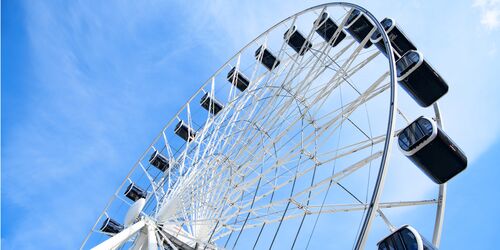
159 161
419 79
432 150
134 192
327 28
111 226
359 26
297 41
238 79
211 104
399 41
263 55
405 238
184 131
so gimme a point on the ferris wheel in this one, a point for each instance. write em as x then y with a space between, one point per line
288 145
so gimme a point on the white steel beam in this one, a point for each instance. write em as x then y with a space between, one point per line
120 237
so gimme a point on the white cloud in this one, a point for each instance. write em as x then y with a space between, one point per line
490 13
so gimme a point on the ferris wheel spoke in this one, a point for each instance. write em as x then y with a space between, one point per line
157 189
302 85
351 102
368 94
374 93
228 229
352 108
175 235
336 80
305 82
163 237
362 64
338 154
346 112
337 208
302 210
335 178
221 187
296 55
324 54
271 169
333 208
216 178
339 74
229 139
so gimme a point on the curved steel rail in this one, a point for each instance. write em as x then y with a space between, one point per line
379 184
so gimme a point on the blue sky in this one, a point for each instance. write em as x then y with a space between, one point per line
86 85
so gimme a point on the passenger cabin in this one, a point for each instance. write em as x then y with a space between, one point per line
297 41
211 104
238 79
184 131
134 192
399 41
359 26
327 28
432 150
111 226
267 58
405 238
419 79
159 161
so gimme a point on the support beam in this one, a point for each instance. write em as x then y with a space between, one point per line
152 243
121 237
438 225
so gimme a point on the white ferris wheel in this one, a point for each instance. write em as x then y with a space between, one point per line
288 145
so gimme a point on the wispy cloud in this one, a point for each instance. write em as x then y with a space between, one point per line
101 73
92 74
490 13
